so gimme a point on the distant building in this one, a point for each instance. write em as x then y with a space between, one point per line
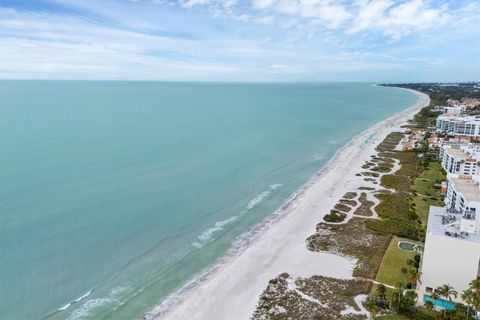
455 111
459 125
463 159
453 102
471 102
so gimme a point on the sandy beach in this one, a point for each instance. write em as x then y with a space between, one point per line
232 290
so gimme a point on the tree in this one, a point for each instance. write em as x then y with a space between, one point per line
413 276
429 305
435 296
468 296
475 287
448 292
371 306
381 292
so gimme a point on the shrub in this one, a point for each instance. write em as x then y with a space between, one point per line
335 216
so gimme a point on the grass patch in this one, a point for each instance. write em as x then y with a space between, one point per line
434 172
408 163
342 207
348 202
426 188
366 188
383 167
350 195
393 261
352 239
365 206
422 206
284 298
391 181
370 174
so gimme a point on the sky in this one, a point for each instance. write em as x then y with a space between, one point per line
241 40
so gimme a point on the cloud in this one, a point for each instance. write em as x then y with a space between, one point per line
260 40
266 20
397 20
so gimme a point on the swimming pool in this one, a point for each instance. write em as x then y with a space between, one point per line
407 246
440 302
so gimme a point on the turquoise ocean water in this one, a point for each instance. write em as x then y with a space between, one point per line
113 195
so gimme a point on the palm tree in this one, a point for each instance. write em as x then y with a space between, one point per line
434 296
381 292
448 292
468 296
400 286
475 287
413 276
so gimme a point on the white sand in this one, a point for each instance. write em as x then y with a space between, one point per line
232 290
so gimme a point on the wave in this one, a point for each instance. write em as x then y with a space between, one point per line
208 235
218 226
83 296
318 157
252 203
90 305
65 307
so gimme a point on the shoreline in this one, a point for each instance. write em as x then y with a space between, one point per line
277 244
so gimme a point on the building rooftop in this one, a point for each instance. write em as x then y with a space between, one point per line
442 223
462 153
468 187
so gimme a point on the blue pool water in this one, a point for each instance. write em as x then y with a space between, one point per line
442 303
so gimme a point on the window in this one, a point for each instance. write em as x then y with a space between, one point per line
430 290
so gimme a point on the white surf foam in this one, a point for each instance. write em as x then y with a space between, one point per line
91 304
208 235
65 307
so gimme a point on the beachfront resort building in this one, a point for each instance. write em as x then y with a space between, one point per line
451 256
463 197
460 158
452 244
458 125
451 111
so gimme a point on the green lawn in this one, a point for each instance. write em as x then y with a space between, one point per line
424 185
392 262
434 172
422 206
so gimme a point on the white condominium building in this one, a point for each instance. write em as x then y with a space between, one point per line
463 159
452 244
463 198
459 125
450 257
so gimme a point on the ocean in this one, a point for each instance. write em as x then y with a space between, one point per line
114 195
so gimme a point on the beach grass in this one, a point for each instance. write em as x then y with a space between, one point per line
396 182
352 239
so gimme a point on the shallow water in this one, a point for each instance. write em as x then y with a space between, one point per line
115 194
